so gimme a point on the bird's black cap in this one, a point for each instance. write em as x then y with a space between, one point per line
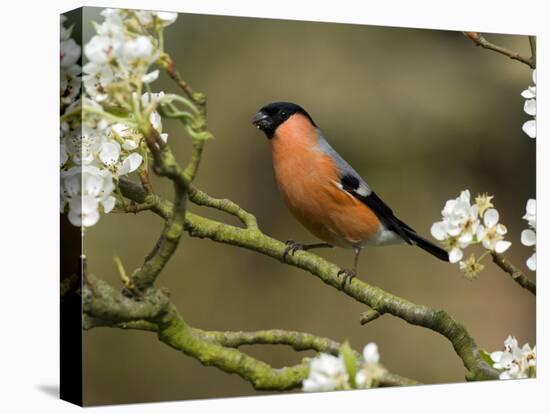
269 117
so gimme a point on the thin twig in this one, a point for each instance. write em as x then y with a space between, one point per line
479 40
145 181
170 67
516 274
533 46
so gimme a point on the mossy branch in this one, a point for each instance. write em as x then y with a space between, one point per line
105 307
377 299
165 165
299 341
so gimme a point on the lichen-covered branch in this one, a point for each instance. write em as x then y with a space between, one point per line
479 40
202 199
516 274
377 299
144 277
389 379
174 332
164 165
299 341
105 307
103 303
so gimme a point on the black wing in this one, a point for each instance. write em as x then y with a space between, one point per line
352 185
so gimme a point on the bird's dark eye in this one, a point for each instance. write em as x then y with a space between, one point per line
284 115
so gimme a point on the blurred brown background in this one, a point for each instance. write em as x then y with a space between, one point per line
421 114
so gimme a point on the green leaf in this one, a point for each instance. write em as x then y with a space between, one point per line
486 356
350 362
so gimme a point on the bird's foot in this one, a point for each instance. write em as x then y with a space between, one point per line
348 275
291 248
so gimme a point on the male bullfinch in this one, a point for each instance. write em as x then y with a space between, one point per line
324 192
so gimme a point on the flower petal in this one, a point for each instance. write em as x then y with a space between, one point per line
90 219
465 239
150 77
502 245
490 217
531 206
501 229
129 145
529 93
110 151
496 356
530 107
455 255
465 196
438 230
530 128
108 204
532 262
166 17
370 353
130 163
528 237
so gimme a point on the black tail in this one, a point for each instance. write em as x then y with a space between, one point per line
427 245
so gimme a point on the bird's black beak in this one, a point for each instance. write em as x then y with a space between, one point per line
262 121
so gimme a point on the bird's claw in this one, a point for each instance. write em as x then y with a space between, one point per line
348 275
291 248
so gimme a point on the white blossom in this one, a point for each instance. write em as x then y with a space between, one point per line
155 118
96 152
464 224
370 369
491 233
148 18
529 236
531 213
514 362
370 353
122 51
459 225
166 17
530 128
85 188
95 160
134 49
326 373
530 107
70 80
532 262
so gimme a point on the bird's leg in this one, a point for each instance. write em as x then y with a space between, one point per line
292 247
350 274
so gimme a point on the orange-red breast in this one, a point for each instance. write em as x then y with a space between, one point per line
324 192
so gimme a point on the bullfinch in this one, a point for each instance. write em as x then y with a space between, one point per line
324 193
